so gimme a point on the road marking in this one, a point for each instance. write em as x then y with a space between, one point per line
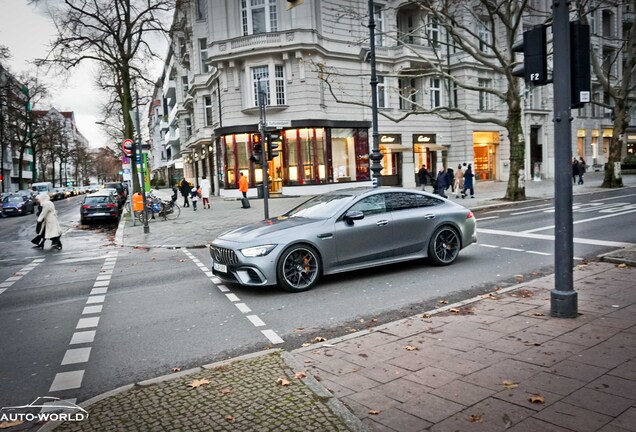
101 283
8 259
8 282
96 299
83 337
487 245
254 319
583 221
87 322
611 198
92 310
526 234
512 249
539 253
272 336
75 260
67 380
76 355
487 218
103 278
2 290
95 291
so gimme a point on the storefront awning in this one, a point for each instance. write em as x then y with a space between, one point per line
432 147
395 147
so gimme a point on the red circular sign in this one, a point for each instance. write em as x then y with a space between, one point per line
126 146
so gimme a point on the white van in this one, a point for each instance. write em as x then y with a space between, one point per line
44 187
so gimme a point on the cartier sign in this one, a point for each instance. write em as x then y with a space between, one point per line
424 138
390 139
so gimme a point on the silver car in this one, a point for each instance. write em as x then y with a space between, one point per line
343 230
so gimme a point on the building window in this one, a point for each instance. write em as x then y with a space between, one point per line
185 86
201 9
203 54
188 127
485 97
259 16
381 92
379 24
408 94
485 37
207 108
432 32
278 84
406 29
454 92
435 92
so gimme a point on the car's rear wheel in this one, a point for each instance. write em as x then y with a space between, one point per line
298 268
444 246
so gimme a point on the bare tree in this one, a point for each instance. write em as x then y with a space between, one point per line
114 34
483 33
614 69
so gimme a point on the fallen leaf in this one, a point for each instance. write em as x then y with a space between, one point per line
426 315
319 339
230 418
299 329
374 412
283 382
225 390
374 320
176 369
306 344
361 320
528 343
476 418
199 383
410 348
536 399
443 302
510 384
300 375
622 265
6 425
454 310
538 314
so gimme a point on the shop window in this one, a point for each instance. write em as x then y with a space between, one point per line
304 155
343 155
237 153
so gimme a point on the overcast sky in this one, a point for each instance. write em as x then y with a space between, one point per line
26 31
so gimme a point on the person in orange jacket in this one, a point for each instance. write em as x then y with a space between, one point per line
243 183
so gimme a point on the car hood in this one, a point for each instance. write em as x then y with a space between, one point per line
268 228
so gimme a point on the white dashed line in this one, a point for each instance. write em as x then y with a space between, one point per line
512 249
87 322
19 275
539 253
67 381
96 291
92 310
254 319
83 337
76 355
96 299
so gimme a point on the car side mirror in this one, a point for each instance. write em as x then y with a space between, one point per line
353 215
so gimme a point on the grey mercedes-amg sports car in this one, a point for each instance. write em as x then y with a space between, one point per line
343 230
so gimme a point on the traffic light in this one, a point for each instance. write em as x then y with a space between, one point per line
580 78
535 61
257 149
274 140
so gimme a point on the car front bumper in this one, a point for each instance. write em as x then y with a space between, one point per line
231 266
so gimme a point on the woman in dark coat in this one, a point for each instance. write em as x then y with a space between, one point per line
185 189
468 182
575 170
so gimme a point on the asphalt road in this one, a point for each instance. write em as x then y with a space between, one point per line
162 310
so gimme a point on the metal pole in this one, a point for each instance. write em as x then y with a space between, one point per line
138 152
261 128
563 298
375 155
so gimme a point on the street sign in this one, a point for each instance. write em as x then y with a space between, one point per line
126 146
278 124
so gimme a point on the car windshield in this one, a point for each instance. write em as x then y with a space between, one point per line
13 199
321 206
92 200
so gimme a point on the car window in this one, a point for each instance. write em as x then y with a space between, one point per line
13 199
373 204
426 201
320 206
401 201
97 200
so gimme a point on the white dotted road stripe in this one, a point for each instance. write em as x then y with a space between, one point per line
522 250
74 356
254 319
19 274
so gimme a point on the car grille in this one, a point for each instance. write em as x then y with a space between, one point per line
224 255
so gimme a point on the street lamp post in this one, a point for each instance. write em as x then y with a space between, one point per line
137 152
376 155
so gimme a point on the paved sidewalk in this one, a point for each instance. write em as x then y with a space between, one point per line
492 363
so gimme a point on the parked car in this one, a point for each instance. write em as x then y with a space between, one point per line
17 204
121 191
57 194
340 231
100 205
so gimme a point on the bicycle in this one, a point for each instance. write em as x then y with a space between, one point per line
167 210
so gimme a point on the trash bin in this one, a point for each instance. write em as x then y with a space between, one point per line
259 191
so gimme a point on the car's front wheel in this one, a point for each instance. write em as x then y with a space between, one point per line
298 268
444 246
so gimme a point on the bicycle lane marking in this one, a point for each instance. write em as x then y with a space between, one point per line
8 282
256 321
86 329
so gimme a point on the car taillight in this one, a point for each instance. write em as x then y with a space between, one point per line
470 215
86 206
111 205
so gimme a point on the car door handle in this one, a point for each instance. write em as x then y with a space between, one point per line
429 216
325 236
382 222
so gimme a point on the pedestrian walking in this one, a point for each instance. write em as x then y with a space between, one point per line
450 179
441 182
205 192
581 170
243 186
459 180
48 217
195 194
468 181
185 190
575 170
424 176
39 239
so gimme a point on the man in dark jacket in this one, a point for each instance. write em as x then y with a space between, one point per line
441 182
185 189
423 176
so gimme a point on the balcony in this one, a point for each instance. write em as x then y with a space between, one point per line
273 41
169 89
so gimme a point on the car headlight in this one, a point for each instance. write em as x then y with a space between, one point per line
257 250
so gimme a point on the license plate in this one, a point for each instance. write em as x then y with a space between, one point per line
220 267
100 214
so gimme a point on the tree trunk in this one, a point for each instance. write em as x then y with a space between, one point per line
516 190
612 178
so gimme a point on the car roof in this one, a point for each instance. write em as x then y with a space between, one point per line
355 191
103 192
